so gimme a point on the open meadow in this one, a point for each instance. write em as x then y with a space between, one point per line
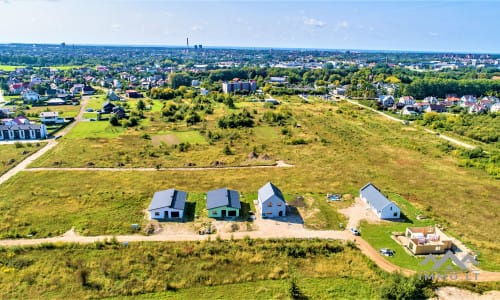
12 154
186 270
334 147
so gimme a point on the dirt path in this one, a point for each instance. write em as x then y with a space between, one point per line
51 144
444 137
279 164
453 293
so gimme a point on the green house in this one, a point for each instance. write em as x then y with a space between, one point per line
223 203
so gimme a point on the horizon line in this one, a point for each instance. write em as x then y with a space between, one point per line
159 45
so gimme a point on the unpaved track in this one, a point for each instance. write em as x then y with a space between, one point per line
279 164
444 137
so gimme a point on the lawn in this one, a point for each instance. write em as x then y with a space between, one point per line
65 111
8 68
12 154
101 129
191 137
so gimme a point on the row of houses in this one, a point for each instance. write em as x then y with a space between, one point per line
21 128
220 203
410 106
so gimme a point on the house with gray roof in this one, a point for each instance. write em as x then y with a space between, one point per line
271 201
223 203
378 203
168 204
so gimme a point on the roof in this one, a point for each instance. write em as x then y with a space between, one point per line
223 197
269 190
375 197
171 198
47 114
107 103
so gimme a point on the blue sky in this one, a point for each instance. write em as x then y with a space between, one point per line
458 26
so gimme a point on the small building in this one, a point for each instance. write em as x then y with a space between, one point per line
133 94
30 96
77 88
50 117
407 100
168 204
223 203
386 100
56 101
271 201
107 107
12 131
378 203
427 240
88 90
119 112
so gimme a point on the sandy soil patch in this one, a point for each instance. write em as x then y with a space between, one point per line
169 139
453 293
357 212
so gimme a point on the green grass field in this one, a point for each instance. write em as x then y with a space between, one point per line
12 154
101 129
345 147
189 270
65 111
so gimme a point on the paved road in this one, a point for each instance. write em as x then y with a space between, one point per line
444 137
51 144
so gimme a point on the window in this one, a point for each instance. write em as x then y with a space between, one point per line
269 204
438 248
391 207
395 214
157 213
279 204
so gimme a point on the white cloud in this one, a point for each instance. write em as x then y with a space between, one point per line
196 28
314 22
433 34
342 24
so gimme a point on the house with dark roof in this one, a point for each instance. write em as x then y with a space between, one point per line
271 201
168 204
107 107
223 203
378 203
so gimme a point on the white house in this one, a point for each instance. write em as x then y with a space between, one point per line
271 201
495 108
407 100
30 96
386 100
378 203
168 204
50 117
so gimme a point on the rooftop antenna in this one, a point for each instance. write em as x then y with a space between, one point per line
187 45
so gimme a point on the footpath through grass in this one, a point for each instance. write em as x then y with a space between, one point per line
12 154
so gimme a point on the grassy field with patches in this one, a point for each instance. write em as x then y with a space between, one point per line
12 154
334 147
65 111
186 269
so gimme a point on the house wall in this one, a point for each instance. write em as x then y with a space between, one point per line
390 212
165 213
428 249
217 212
276 206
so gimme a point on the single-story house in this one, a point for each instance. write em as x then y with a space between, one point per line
378 203
107 107
427 240
168 204
50 117
223 203
119 112
271 201
88 90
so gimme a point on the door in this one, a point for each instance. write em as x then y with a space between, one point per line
280 213
223 213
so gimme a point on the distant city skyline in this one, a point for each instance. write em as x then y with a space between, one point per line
438 26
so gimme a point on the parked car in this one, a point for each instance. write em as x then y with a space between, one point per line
386 252
90 110
355 231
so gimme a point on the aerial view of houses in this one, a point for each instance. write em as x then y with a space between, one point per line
146 155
